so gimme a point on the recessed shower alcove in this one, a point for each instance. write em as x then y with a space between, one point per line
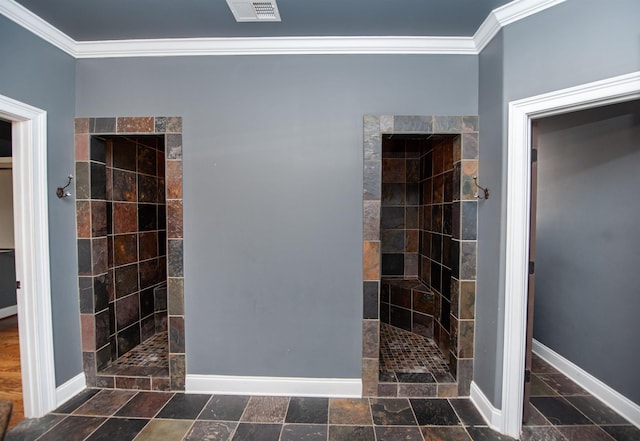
129 227
420 223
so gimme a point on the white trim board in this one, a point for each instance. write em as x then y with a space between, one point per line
612 398
275 386
498 18
492 416
70 389
8 311
518 199
31 225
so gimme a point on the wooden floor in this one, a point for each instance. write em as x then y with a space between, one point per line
10 376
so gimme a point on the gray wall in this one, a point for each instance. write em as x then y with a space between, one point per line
273 191
38 74
575 42
587 299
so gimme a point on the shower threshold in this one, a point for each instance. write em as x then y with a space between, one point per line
412 366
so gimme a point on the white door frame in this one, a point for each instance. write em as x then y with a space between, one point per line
521 112
31 216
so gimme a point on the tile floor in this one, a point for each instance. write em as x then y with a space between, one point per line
153 352
561 411
404 351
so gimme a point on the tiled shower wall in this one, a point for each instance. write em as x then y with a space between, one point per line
463 134
136 240
96 291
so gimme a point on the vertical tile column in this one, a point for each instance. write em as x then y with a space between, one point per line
463 277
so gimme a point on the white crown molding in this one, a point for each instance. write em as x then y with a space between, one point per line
31 22
498 18
275 46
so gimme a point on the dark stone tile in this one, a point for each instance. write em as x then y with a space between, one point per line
97 149
177 370
422 325
584 433
304 432
73 428
121 429
370 339
308 410
539 366
412 124
257 432
124 154
128 339
160 298
77 401
392 218
623 433
85 290
444 433
392 241
102 330
349 411
468 261
539 388
467 412
83 182
164 430
469 220
126 280
417 390
146 160
147 327
174 146
99 258
486 434
184 406
147 303
133 383
84 257
31 428
394 170
147 217
541 434
175 258
392 264
125 218
400 318
266 410
596 410
125 249
150 273
434 412
351 433
370 300
98 218
210 431
393 195
174 218
562 384
147 188
105 403
390 433
176 334
535 418
98 179
412 194
175 288
102 125
406 377
100 292
392 412
224 408
559 412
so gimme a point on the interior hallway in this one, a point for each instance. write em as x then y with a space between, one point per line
10 374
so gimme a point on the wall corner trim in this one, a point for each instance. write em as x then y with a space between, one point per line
274 386
70 389
612 398
491 415
425 45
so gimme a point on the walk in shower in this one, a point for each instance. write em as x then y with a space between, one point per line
420 211
129 217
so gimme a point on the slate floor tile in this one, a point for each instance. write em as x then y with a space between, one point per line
467 412
559 412
392 412
434 412
184 406
486 434
224 408
76 401
210 431
257 432
120 429
539 388
308 410
105 403
266 410
596 410
304 432
541 434
349 411
584 433
73 428
351 433
561 384
32 428
145 404
164 430
536 418
444 433
395 433
623 433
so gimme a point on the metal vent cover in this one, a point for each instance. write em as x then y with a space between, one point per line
258 10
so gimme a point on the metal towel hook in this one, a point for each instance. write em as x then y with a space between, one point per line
485 191
60 191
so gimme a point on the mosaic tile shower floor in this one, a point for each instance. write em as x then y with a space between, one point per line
151 353
403 351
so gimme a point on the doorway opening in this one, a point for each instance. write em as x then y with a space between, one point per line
521 113
420 223
129 228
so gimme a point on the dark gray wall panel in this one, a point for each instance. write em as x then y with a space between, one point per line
273 191
587 299
38 74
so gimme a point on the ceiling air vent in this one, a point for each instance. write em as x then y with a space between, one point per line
247 10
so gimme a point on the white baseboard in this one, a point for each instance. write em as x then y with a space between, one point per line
70 389
8 311
276 386
615 400
491 415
